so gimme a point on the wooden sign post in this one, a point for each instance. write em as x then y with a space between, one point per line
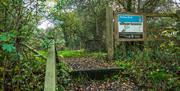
109 33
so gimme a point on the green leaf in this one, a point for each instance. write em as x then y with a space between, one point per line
62 1
4 2
3 37
8 47
1 69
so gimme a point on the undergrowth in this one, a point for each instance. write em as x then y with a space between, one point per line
63 75
153 68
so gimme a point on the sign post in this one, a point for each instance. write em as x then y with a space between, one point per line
109 33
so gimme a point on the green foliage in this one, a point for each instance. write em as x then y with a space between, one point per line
3 37
72 29
32 72
23 71
123 64
149 69
44 53
8 47
157 76
98 55
63 76
71 53
27 72
7 37
81 53
155 65
7 42
151 75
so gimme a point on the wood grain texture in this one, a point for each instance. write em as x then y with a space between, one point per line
109 33
50 77
160 15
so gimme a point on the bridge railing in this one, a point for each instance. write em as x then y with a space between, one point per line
50 76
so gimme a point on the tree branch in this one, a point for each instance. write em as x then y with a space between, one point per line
34 51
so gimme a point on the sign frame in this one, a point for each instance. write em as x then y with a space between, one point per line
130 39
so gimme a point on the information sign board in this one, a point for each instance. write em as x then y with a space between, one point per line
130 23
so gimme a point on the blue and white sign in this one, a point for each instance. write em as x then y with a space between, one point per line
130 23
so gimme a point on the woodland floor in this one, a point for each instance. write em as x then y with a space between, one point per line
106 85
89 63
114 83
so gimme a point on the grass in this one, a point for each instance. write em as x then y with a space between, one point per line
80 53
71 53
44 53
76 54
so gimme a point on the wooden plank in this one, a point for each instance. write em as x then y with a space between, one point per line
50 77
100 69
160 15
109 33
121 39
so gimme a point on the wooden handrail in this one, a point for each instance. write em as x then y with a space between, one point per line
50 77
